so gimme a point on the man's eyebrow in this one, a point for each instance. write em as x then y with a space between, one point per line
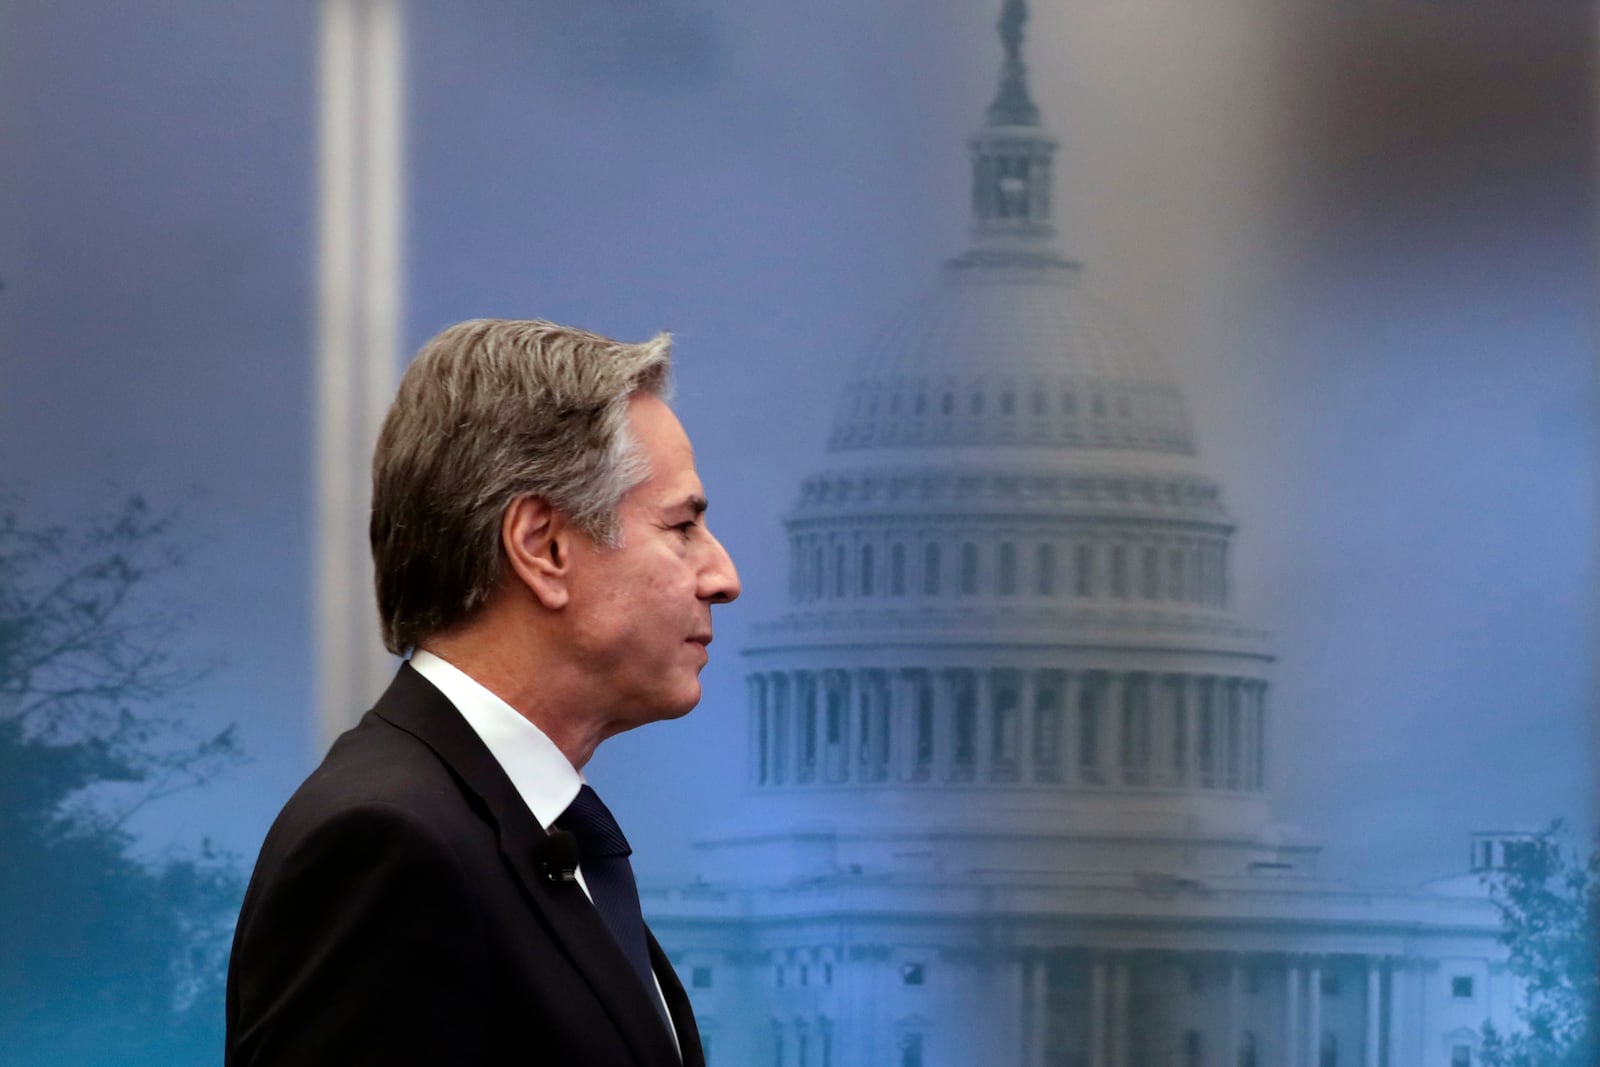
696 504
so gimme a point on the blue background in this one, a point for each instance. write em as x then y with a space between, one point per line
1363 236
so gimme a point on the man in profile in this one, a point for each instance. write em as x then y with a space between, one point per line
445 888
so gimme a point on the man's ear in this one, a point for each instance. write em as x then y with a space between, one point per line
537 541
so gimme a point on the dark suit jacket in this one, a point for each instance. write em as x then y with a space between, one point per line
399 913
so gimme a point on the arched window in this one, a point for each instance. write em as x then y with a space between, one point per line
1006 568
866 570
897 569
1175 573
838 570
969 569
816 572
930 569
1119 571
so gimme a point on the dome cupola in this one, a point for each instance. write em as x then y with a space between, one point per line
1009 596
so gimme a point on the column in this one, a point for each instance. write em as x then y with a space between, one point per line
1314 1014
834 711
1230 1048
866 710
1071 688
1291 1015
1013 987
1262 736
983 725
758 731
1027 725
1097 1011
1112 711
1205 733
818 725
1189 698
1369 1057
1038 1010
1247 736
359 287
1160 710
883 728
780 761
1232 733
1398 1048
902 725
855 721
1121 995
944 723
780 717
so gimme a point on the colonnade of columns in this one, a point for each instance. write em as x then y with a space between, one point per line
892 568
802 1042
1118 1009
1080 728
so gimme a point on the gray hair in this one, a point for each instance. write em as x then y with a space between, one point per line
489 411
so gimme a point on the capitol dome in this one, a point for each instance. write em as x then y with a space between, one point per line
1009 583
1009 348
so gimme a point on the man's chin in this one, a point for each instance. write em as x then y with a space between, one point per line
677 708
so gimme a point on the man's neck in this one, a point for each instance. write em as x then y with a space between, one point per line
541 692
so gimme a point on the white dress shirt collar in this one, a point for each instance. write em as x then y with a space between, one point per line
543 777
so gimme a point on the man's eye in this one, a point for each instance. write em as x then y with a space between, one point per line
685 527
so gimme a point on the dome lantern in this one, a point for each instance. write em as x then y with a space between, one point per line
1011 153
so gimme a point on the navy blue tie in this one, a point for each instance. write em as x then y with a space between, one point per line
603 854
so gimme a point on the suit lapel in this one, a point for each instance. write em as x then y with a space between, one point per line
415 706
678 1005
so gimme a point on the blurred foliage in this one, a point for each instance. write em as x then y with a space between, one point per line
105 958
1549 899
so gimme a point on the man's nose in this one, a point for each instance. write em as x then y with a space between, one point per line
719 582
